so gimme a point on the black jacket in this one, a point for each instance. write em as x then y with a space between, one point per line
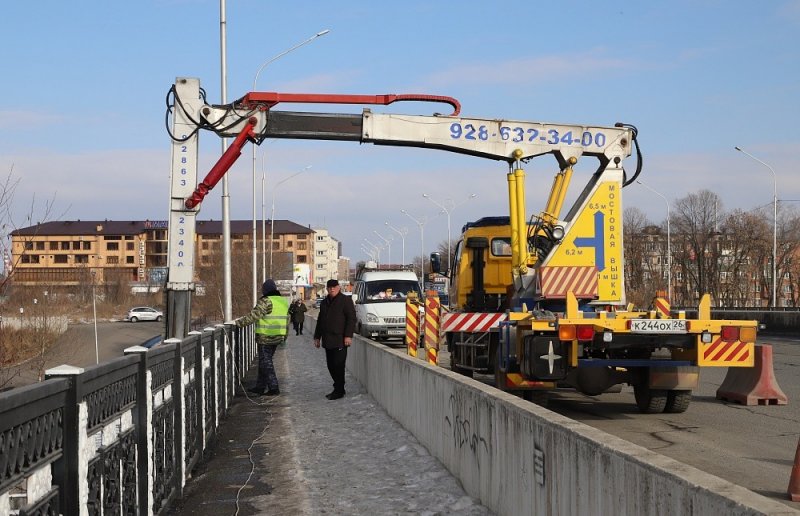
337 320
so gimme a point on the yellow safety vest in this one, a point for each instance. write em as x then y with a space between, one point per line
275 324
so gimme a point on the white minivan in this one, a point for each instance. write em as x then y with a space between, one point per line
380 299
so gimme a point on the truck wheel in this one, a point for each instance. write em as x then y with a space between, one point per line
678 401
650 401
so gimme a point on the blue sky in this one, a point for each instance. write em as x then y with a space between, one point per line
82 101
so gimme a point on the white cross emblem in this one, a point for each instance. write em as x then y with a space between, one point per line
550 357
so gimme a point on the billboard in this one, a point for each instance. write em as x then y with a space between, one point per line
301 275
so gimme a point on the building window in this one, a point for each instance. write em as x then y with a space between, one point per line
81 258
129 246
112 260
301 246
112 246
320 266
301 237
87 246
129 259
276 246
30 258
76 245
65 246
29 246
320 238
112 237
60 258
54 246
204 246
301 259
320 253
40 246
289 244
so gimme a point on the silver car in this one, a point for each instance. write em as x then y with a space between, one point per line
144 313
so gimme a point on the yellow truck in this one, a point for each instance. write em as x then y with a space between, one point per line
540 303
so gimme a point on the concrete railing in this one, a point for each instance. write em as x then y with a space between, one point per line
519 458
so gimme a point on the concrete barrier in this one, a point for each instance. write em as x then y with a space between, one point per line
519 458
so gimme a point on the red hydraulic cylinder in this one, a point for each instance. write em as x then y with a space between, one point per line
224 164
270 99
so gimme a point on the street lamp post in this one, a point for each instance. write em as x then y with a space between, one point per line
774 225
94 313
669 238
447 211
255 82
402 232
421 224
376 248
388 245
272 217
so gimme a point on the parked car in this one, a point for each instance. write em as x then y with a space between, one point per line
144 313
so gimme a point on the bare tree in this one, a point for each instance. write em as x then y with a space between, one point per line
698 254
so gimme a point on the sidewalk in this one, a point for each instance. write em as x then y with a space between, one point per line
315 456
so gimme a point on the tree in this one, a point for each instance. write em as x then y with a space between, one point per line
698 253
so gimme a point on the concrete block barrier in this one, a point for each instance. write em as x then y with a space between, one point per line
519 458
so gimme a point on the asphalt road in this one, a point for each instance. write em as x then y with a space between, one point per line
76 346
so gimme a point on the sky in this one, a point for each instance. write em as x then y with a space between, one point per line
82 103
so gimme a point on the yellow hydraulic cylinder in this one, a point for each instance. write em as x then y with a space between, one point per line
512 212
522 226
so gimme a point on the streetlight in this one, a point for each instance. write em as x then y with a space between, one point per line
369 252
94 312
388 245
421 225
669 249
774 225
255 81
447 211
402 232
272 217
376 248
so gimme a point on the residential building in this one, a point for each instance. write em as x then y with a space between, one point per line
326 257
69 253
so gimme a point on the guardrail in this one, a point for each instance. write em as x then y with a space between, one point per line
120 437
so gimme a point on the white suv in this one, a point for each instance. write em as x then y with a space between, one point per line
144 313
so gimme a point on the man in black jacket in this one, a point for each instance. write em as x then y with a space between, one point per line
335 325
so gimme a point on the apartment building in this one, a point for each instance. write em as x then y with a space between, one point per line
326 256
69 253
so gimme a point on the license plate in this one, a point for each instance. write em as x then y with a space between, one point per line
396 332
658 325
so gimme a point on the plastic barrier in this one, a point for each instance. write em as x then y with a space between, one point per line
794 480
753 385
432 328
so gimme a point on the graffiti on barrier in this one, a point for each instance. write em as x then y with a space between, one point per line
463 422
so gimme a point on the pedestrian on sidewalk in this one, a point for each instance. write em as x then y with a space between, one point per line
271 318
335 325
298 314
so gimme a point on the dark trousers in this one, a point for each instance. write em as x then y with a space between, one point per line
336 359
298 327
267 379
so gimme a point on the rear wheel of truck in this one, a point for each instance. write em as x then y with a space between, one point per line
650 401
678 401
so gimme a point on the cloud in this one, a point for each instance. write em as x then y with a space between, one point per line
28 120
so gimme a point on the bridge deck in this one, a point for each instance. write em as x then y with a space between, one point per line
311 455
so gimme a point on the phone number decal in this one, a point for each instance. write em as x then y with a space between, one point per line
519 134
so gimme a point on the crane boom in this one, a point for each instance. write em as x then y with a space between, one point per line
252 118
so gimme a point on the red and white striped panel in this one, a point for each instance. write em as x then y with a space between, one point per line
471 321
557 281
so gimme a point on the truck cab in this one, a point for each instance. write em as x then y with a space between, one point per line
380 300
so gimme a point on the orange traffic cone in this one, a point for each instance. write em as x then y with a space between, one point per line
794 479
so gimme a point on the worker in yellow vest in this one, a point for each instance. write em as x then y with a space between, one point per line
271 318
